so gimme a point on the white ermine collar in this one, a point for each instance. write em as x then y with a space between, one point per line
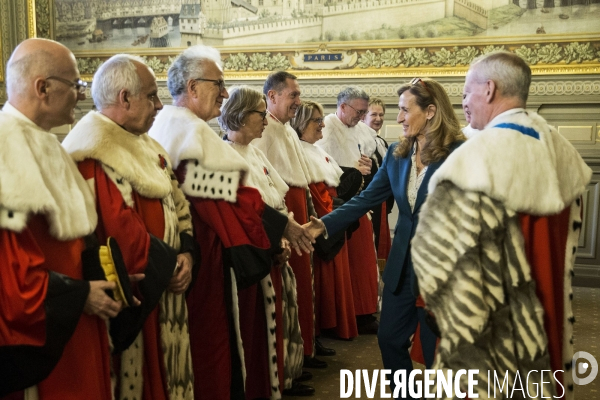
187 137
281 145
535 176
39 177
322 167
346 144
214 169
262 176
137 158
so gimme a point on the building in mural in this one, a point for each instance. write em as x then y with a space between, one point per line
180 23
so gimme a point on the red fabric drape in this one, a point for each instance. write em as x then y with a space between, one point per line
334 304
363 268
545 246
25 258
219 224
130 227
385 240
295 200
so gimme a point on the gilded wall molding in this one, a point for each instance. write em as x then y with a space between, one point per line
556 58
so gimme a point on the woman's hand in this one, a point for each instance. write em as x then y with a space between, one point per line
315 227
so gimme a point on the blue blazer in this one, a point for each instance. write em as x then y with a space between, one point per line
391 178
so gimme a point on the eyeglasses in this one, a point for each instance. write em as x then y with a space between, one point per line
263 114
317 120
218 82
79 85
359 112
417 81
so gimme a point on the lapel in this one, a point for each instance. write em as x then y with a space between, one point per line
422 193
404 174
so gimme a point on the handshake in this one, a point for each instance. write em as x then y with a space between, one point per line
301 237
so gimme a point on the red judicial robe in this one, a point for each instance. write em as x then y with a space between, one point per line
346 145
45 210
334 304
235 232
131 227
262 176
281 146
24 319
139 204
333 287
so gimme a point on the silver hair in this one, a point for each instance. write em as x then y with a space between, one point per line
508 71
115 74
189 65
21 71
350 93
242 101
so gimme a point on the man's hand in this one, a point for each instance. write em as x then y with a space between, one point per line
183 274
282 258
99 303
364 165
136 278
315 227
300 240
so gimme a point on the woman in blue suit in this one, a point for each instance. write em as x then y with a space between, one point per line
431 132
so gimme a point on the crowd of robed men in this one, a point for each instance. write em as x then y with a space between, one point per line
74 325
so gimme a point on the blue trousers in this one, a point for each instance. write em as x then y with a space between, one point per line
397 323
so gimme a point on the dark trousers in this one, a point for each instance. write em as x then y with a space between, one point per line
398 322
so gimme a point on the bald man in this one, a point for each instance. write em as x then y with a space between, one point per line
140 204
53 337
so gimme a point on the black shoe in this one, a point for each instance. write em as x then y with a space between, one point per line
299 389
322 350
370 329
306 376
313 362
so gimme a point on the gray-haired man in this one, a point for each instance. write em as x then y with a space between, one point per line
140 204
350 142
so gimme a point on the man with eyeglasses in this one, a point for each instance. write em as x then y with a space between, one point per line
53 335
281 146
228 220
350 142
140 204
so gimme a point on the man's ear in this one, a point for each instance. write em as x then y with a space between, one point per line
191 88
124 96
271 94
41 88
490 91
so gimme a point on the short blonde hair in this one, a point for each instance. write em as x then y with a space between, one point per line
376 101
303 116
441 131
242 101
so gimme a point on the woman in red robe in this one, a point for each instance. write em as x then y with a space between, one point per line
334 305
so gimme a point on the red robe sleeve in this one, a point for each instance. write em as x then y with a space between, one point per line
117 219
23 290
248 230
138 230
39 308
